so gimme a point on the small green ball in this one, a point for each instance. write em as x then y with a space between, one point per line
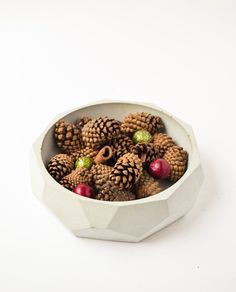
142 136
85 162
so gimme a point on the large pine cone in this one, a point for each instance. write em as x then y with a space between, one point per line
100 131
80 122
177 158
147 152
88 152
126 171
100 174
146 186
60 165
139 121
68 136
77 176
120 146
111 193
163 141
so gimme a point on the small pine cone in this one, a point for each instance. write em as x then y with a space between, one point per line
146 186
100 174
126 171
60 165
139 121
147 152
100 131
109 193
77 176
120 146
163 141
80 122
88 152
177 158
67 136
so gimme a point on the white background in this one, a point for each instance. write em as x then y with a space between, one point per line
56 55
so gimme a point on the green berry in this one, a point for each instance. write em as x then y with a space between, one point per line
85 162
142 136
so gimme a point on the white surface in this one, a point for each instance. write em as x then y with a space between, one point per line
130 221
55 55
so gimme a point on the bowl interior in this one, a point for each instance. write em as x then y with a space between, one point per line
118 110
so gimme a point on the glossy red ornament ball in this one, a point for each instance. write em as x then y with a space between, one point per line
159 168
83 190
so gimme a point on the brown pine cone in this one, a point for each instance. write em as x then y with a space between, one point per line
88 152
147 152
126 171
77 176
163 141
80 122
119 153
100 174
146 186
100 131
120 146
111 193
60 165
139 121
177 158
68 136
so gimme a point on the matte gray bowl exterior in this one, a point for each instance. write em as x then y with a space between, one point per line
130 221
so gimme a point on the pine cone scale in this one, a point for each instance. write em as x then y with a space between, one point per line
139 121
81 122
77 176
129 166
67 136
146 186
111 193
121 145
100 175
88 152
60 165
177 158
147 152
163 142
100 131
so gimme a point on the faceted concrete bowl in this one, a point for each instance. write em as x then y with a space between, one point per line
121 221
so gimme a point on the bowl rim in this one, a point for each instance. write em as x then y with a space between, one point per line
163 195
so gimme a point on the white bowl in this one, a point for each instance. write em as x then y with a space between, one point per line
121 221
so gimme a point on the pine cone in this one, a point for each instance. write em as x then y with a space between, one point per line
67 136
126 171
80 122
109 193
120 146
146 186
139 121
88 152
100 173
147 152
77 176
118 153
177 158
163 141
60 165
100 131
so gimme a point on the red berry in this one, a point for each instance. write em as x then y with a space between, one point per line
83 190
159 168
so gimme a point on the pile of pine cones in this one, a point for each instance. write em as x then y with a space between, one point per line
124 176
